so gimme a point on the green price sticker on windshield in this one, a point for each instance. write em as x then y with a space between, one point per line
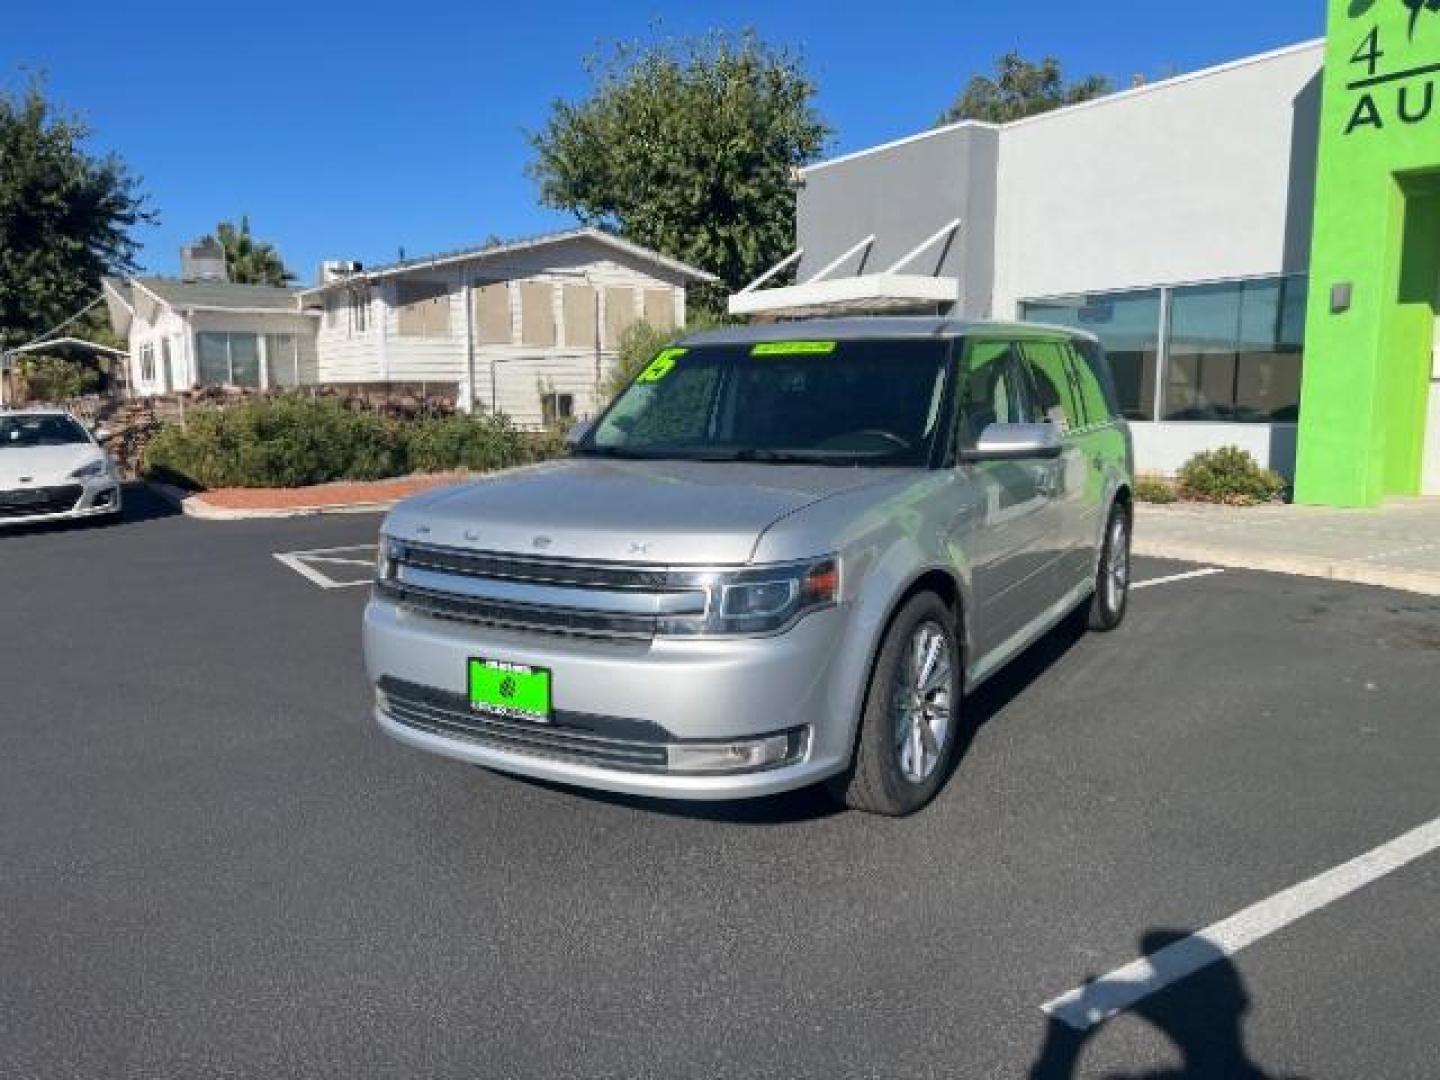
661 366
794 348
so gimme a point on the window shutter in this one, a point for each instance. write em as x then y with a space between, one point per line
579 316
660 308
492 314
537 313
619 315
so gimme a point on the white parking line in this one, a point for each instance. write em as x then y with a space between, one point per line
305 563
1188 575
1088 1005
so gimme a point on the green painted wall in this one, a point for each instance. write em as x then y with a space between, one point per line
1377 227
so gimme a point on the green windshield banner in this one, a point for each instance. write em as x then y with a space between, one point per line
794 348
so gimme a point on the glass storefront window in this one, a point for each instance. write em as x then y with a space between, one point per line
1128 325
1235 351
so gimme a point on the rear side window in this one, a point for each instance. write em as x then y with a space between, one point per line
1055 390
1093 382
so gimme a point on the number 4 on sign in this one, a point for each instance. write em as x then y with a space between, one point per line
1369 52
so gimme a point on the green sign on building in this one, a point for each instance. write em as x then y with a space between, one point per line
1375 261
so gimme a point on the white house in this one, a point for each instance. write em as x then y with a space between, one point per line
528 328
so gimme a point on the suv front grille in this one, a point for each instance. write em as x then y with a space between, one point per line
32 502
545 596
613 742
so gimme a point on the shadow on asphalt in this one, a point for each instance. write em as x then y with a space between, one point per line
1202 1016
813 804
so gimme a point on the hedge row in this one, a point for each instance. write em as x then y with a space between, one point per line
295 440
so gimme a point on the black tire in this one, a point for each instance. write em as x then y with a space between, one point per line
1107 606
877 781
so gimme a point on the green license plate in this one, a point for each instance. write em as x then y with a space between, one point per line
515 691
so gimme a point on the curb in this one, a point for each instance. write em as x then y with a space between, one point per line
1349 570
193 504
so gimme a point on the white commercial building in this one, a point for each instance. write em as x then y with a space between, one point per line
1172 220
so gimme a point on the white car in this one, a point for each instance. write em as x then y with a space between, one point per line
52 469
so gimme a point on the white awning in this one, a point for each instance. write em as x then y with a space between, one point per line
887 290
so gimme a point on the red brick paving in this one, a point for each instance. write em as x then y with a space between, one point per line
344 493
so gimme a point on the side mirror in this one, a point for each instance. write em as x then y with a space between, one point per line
576 433
1016 442
102 434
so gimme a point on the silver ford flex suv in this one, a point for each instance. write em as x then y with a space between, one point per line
782 556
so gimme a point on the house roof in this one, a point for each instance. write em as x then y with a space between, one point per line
511 247
219 295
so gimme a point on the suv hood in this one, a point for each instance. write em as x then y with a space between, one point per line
661 512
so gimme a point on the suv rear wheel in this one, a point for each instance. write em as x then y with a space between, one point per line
908 728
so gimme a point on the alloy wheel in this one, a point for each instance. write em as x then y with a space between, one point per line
921 702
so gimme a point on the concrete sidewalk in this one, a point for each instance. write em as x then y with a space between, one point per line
1397 545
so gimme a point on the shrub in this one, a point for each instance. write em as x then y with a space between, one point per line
1229 475
1154 489
638 347
53 379
285 441
479 443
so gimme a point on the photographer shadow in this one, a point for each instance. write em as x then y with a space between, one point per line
1202 1016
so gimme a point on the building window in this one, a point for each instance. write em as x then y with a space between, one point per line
492 313
282 358
579 303
359 310
227 359
147 363
556 407
660 308
1128 325
422 309
619 314
1235 351
537 313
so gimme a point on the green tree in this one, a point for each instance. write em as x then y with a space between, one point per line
1021 88
66 216
689 148
640 343
249 261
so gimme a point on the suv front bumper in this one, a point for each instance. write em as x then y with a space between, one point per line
667 692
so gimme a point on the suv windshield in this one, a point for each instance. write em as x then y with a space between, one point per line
868 402
44 429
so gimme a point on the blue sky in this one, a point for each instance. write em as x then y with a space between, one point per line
350 130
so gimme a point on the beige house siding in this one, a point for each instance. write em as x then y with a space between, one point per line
533 320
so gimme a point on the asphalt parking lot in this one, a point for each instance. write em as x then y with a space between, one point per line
211 863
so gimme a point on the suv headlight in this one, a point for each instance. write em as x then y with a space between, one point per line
388 553
761 600
99 467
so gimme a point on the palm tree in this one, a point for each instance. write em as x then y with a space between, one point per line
249 261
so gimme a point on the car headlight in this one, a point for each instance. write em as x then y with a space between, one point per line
388 553
761 600
89 471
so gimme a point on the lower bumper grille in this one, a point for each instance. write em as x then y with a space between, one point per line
571 738
34 502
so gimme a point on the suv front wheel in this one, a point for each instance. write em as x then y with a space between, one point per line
908 728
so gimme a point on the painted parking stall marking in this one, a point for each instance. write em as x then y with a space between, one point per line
1095 1002
332 568
1188 575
